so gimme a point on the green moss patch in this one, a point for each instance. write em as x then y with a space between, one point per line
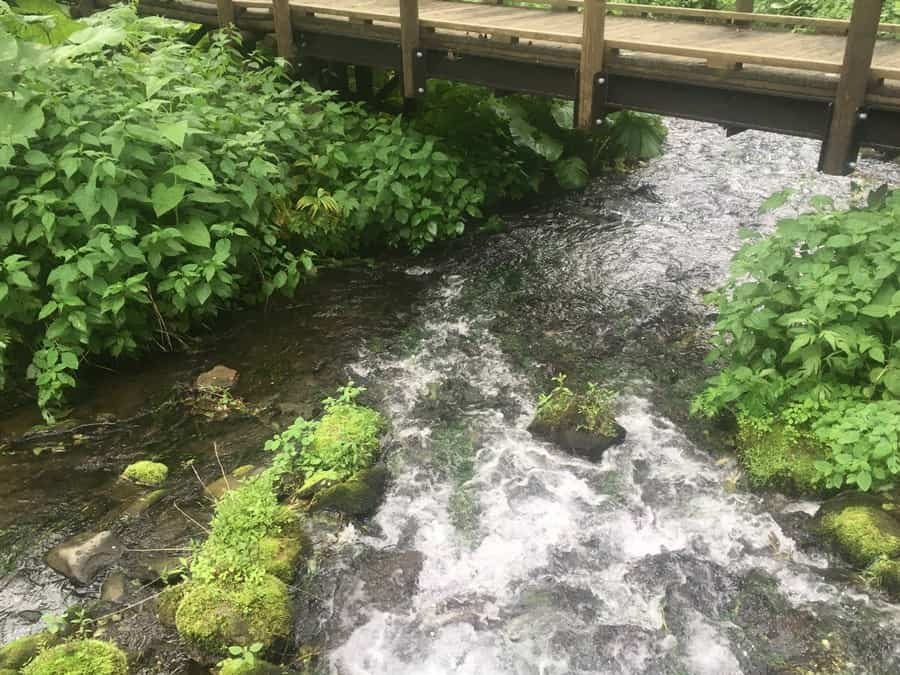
146 473
19 652
359 496
81 657
863 533
167 603
885 574
346 439
213 617
281 555
243 667
776 456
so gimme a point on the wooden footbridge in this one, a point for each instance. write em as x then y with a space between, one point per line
836 81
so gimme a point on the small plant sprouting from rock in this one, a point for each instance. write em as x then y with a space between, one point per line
592 411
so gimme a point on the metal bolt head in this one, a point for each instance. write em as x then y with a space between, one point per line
598 121
421 90
601 80
419 55
851 165
863 115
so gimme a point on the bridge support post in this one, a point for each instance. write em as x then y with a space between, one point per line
743 6
409 44
592 57
284 30
839 151
225 10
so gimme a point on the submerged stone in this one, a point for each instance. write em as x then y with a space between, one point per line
146 473
258 667
167 603
213 617
217 378
80 657
19 652
861 530
359 496
233 480
114 588
140 505
82 556
580 443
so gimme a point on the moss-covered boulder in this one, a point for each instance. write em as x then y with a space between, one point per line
8 671
80 657
860 529
778 457
146 473
213 617
167 603
582 423
282 555
358 497
347 437
885 574
19 652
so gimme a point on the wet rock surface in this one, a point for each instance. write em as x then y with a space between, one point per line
83 556
580 443
217 378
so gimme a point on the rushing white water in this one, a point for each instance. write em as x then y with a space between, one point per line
647 562
562 547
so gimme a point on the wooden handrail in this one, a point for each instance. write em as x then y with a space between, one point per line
831 25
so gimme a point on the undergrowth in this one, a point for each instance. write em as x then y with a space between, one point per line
591 410
808 332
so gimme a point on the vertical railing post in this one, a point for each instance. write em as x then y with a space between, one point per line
592 52
743 6
851 91
225 9
409 43
284 30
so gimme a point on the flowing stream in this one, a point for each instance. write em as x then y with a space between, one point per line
494 552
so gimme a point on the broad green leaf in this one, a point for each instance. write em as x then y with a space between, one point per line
195 171
18 123
876 311
174 131
166 197
109 200
85 198
776 200
196 233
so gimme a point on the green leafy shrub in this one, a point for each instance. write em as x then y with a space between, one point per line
79 657
808 331
144 195
146 473
592 411
518 144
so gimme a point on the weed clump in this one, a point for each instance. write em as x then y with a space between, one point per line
149 474
776 455
592 411
863 533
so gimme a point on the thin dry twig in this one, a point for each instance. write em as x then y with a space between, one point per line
202 484
221 468
193 520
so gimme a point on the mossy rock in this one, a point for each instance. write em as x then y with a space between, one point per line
863 532
885 574
358 497
146 473
213 617
584 444
8 671
19 652
288 523
167 603
347 437
80 657
779 458
282 555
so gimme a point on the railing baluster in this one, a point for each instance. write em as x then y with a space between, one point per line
226 12
592 53
409 42
851 91
284 31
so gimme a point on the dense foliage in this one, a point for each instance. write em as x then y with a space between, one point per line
149 184
591 410
809 331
